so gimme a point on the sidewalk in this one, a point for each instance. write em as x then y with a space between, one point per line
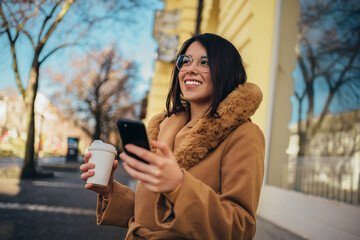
51 208
60 207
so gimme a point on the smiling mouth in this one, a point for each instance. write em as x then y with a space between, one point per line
192 82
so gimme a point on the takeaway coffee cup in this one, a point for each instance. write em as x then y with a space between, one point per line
102 155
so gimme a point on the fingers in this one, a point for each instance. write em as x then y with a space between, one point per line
86 175
134 163
135 173
142 153
115 164
86 167
138 151
162 174
89 185
165 150
87 157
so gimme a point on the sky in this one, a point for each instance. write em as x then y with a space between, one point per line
333 22
133 44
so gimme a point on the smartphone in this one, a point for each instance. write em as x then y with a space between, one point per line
134 132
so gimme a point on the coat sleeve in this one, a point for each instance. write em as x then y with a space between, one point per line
201 213
118 210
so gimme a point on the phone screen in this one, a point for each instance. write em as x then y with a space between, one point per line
134 132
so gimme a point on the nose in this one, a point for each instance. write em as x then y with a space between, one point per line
192 68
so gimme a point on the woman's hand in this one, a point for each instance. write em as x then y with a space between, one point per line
162 175
104 191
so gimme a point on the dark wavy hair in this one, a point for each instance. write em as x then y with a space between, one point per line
226 69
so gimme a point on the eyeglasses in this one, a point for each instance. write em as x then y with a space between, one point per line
183 62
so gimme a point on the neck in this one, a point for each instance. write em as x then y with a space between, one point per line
197 110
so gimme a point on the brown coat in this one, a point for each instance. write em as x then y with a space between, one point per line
223 162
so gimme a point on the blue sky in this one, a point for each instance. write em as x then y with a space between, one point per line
333 27
132 43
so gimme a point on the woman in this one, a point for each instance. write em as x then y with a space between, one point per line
207 159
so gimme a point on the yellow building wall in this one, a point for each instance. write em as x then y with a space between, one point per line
160 83
248 24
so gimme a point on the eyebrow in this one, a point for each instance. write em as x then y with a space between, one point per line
195 57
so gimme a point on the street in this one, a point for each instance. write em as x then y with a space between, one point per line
60 207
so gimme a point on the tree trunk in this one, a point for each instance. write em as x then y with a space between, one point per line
299 162
28 170
98 123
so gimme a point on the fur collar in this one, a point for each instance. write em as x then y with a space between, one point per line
207 134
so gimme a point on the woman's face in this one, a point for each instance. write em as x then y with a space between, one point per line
196 86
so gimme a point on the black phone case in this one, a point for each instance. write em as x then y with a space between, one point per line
134 132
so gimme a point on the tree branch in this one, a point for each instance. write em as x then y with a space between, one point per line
348 66
340 81
47 18
13 53
56 49
60 16
30 38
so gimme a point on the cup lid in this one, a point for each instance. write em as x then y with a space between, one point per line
100 145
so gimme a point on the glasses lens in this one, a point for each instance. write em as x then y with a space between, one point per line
203 64
183 62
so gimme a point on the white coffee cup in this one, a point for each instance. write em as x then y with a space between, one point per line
102 155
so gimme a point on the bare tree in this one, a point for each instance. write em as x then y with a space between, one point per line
98 93
328 55
41 22
329 61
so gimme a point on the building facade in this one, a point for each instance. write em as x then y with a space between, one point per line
52 128
265 34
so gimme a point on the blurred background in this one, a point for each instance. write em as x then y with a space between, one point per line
70 68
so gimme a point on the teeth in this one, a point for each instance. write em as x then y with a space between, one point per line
193 83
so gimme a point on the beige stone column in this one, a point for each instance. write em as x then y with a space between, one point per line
281 89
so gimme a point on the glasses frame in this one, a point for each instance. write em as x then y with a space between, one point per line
197 62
